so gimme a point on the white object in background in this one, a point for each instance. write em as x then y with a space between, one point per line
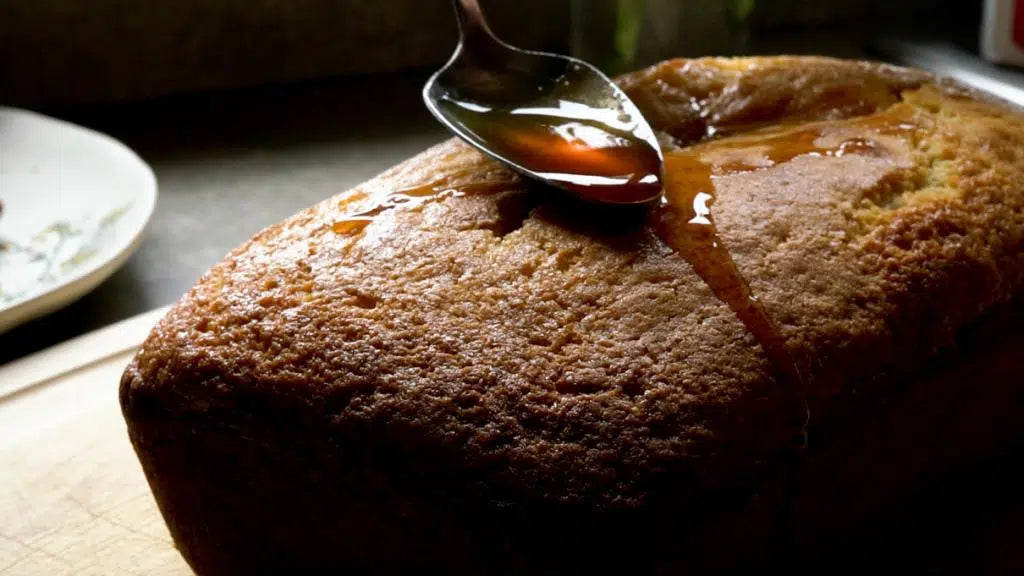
946 59
75 206
1002 31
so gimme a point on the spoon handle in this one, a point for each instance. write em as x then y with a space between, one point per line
476 34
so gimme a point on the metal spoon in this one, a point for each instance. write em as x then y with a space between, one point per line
549 117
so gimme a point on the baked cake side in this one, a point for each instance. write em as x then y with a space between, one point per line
482 377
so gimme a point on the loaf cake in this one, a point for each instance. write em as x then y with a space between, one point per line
450 370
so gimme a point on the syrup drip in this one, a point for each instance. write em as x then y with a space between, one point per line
683 221
408 198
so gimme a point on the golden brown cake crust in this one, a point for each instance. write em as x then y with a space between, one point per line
554 354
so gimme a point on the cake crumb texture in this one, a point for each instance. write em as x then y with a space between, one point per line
469 366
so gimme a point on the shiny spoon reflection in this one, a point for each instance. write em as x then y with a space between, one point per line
549 117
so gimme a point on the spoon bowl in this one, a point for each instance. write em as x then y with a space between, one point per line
549 117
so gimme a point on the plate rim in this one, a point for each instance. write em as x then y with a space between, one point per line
86 278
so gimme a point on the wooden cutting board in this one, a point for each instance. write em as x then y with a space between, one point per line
73 498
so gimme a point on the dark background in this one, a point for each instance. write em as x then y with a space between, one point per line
68 51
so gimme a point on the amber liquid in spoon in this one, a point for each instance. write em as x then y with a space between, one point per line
591 149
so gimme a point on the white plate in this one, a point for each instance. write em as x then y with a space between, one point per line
75 205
